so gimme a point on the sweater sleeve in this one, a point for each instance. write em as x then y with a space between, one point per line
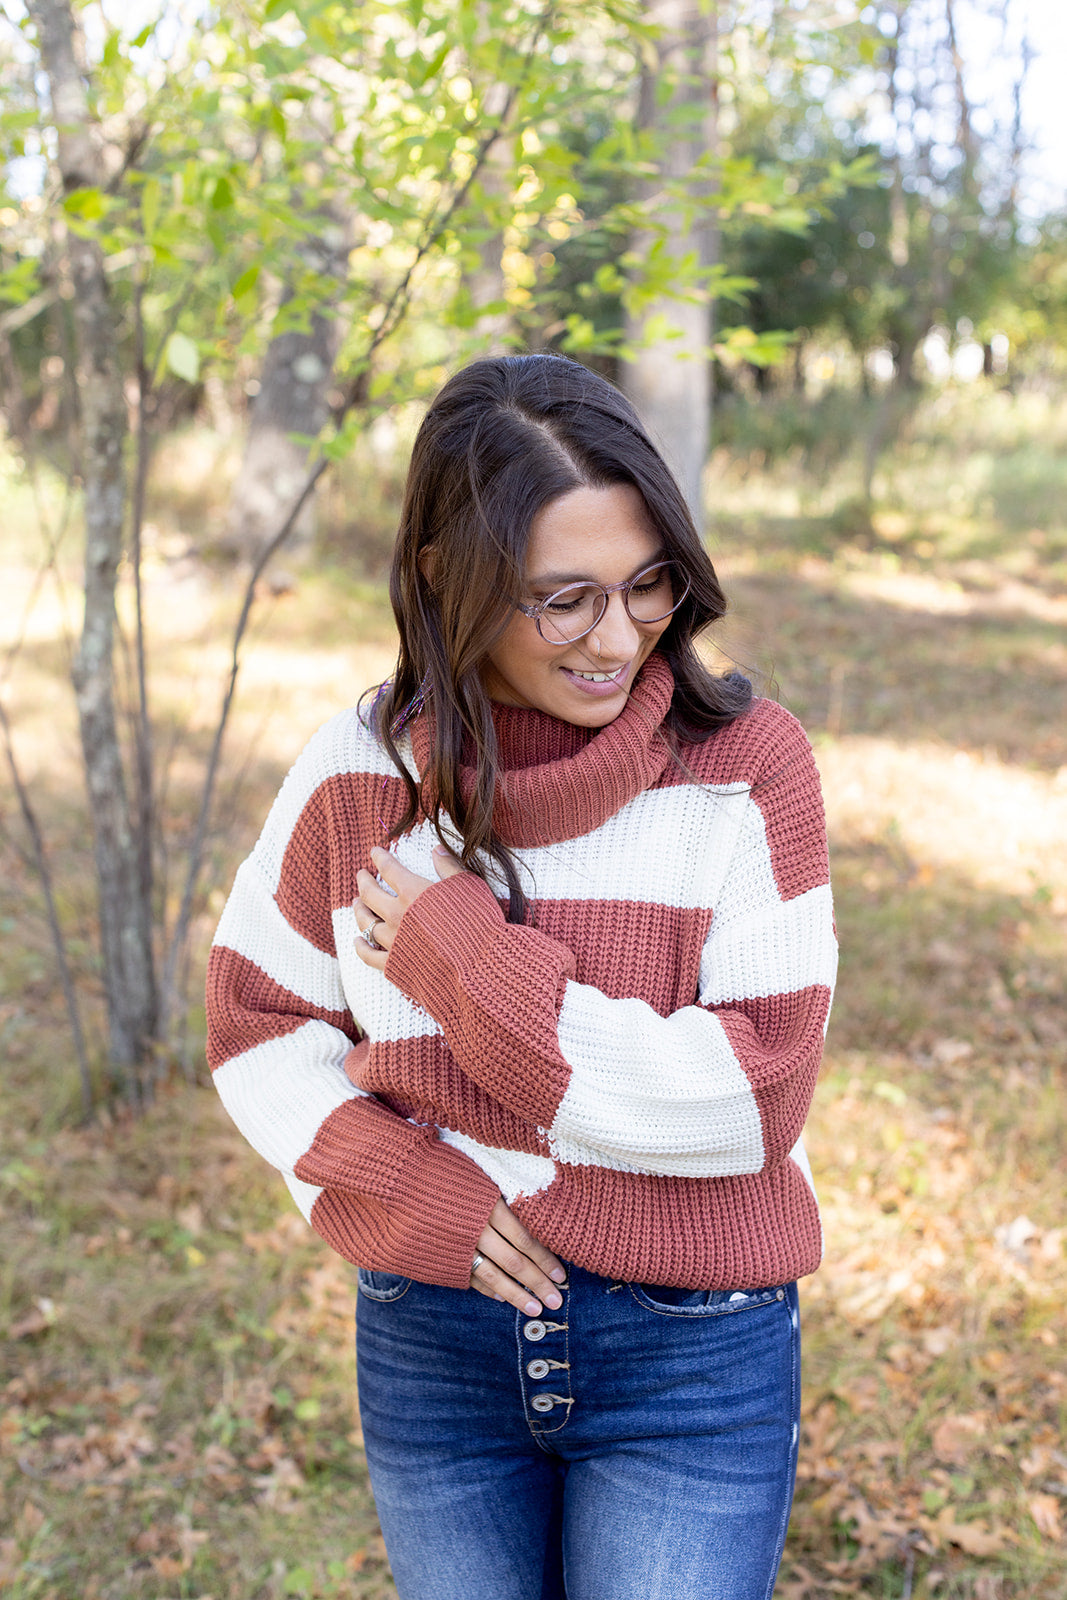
384 1192
721 1086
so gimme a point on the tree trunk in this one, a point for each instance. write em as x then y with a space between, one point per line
485 284
123 899
671 383
292 399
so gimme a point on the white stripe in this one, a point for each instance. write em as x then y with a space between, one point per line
800 1156
305 1194
668 847
695 829
382 1012
514 1172
342 745
280 1092
784 947
652 1094
253 926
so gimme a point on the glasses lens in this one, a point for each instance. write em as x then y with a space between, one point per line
571 612
654 594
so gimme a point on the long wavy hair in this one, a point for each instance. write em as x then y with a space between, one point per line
504 438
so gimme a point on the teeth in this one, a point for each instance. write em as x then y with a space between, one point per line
597 677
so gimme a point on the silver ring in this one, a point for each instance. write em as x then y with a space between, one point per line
476 1263
367 933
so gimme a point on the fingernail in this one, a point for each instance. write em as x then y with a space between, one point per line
558 1274
553 1301
532 1307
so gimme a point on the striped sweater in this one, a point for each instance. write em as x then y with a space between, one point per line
630 1069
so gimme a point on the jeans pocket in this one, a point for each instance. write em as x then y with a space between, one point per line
671 1302
382 1285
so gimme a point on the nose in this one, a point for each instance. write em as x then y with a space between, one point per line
617 632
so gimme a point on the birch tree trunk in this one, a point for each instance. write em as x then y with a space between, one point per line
123 896
670 383
292 399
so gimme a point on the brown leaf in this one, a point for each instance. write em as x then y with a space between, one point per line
9 1559
170 1566
39 1320
955 1439
1045 1510
30 1519
1037 1461
975 1538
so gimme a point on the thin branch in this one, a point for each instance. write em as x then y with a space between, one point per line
396 307
19 316
196 849
437 223
144 811
44 873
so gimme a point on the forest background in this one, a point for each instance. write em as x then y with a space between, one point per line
239 248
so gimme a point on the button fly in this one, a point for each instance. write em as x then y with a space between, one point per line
534 1331
538 1369
542 1402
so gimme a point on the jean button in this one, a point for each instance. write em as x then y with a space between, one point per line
542 1402
779 1294
538 1369
534 1331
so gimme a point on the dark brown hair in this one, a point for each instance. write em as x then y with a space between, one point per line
503 438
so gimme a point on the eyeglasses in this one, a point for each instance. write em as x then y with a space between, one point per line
572 612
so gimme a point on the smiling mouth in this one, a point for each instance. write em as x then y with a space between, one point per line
600 677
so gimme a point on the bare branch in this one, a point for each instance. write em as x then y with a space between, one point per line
44 873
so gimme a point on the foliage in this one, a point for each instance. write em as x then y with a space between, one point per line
231 168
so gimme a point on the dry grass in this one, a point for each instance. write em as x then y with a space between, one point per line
178 1414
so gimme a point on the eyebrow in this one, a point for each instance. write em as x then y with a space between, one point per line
557 580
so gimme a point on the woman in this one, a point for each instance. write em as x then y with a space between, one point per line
523 990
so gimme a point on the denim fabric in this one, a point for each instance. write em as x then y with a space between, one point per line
638 1444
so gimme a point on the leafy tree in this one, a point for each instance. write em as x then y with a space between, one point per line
179 169
177 230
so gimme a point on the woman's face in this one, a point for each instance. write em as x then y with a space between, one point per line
589 535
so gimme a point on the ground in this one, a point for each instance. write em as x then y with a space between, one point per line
176 1372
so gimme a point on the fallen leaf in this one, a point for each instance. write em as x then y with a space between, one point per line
1045 1510
955 1439
30 1519
1037 1461
169 1566
937 1340
39 1320
975 1538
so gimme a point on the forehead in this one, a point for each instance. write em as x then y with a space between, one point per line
592 533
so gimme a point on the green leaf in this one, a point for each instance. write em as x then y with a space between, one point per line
307 1410
141 39
151 196
298 1581
222 194
88 205
246 282
183 357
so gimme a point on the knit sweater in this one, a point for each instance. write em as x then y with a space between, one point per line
630 1069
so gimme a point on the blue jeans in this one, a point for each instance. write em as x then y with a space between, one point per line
637 1444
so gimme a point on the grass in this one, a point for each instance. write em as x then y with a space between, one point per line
176 1379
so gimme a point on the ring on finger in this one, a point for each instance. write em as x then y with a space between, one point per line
367 934
476 1263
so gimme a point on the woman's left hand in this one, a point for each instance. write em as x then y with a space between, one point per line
381 908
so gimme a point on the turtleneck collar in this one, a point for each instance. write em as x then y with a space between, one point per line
557 781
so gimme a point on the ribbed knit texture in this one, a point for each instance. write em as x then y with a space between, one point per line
631 1069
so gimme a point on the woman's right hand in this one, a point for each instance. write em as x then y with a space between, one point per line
516 1268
